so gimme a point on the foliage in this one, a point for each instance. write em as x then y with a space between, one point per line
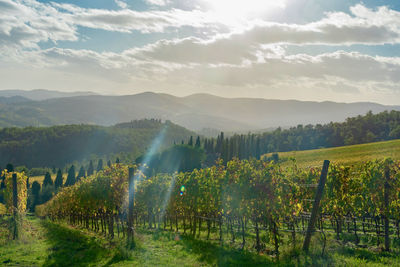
181 158
356 130
21 191
249 192
58 182
63 145
47 179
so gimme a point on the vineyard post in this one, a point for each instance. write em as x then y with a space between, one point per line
15 193
386 200
130 205
15 205
314 212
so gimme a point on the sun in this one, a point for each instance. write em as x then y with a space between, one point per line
231 10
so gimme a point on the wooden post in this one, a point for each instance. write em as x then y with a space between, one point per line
315 209
15 192
15 205
130 205
386 199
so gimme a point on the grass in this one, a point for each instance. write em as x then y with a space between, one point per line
50 244
45 243
346 155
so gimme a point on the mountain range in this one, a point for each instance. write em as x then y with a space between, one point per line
195 112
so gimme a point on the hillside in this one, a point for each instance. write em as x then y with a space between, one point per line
346 155
194 112
41 94
60 145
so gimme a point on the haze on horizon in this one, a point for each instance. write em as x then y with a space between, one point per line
344 51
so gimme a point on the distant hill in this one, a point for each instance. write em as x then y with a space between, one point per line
40 94
13 99
61 145
194 112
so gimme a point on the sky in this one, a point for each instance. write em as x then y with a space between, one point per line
314 50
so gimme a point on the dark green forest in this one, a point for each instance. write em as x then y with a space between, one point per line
58 146
357 130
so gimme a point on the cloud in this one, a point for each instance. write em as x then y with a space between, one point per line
251 56
26 24
121 4
365 27
158 2
127 20
351 66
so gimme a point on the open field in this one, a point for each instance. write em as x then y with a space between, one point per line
347 155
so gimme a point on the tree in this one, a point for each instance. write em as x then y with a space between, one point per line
81 173
190 143
71 176
99 165
59 179
109 163
117 160
90 170
35 193
47 179
10 167
197 142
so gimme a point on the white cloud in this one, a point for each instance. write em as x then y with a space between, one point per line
121 4
251 58
26 24
158 2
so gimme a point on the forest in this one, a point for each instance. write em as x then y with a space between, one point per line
356 130
59 146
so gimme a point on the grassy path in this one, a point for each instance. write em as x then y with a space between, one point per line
49 244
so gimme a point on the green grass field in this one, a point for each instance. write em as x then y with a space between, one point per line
44 243
345 155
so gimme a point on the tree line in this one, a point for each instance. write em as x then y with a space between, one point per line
356 130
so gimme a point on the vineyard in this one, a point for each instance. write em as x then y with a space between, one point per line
256 204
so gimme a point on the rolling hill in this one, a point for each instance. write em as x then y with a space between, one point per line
346 155
61 145
194 112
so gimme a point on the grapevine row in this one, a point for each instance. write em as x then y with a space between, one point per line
244 195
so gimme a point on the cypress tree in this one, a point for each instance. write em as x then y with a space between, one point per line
99 165
71 176
10 167
81 173
35 192
59 179
117 161
47 179
258 150
190 143
90 170
109 163
197 142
